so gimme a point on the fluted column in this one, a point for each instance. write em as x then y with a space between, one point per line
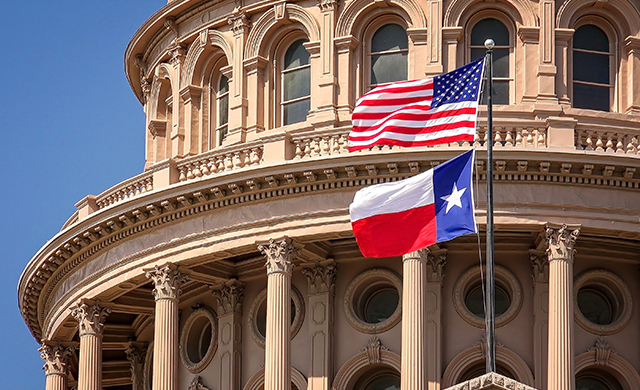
166 280
136 353
560 241
413 374
277 354
56 360
321 277
91 316
230 296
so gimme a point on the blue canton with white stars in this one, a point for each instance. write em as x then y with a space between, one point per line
460 85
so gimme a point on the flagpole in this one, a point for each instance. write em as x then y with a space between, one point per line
490 281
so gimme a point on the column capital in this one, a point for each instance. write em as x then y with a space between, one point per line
56 357
240 23
279 254
321 276
91 316
540 267
166 281
561 240
328 5
136 353
435 261
229 295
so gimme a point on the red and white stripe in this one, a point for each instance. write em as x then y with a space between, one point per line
401 114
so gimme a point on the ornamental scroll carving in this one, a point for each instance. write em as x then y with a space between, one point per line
602 350
435 266
56 357
561 241
136 353
328 5
373 348
166 281
196 384
229 296
279 254
321 276
239 23
91 316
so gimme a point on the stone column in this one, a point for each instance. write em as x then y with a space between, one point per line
229 297
166 280
560 241
277 354
136 353
91 316
238 102
321 277
414 337
540 267
56 360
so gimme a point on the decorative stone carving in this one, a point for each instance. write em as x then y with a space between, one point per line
490 381
328 5
91 316
239 23
166 281
561 241
136 353
196 384
435 266
55 356
321 276
373 348
229 296
177 53
540 266
602 350
170 24
279 254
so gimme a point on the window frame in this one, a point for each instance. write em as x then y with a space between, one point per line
510 26
278 76
219 69
614 61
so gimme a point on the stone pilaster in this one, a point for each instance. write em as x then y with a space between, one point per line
321 277
230 296
277 370
540 268
238 102
91 317
436 262
560 242
136 353
56 364
166 280
414 335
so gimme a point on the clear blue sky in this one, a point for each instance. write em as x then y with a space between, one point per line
70 126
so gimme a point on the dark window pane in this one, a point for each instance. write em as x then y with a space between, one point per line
381 305
387 68
389 37
490 28
224 85
595 306
222 134
500 62
591 97
475 301
500 93
297 83
477 53
296 55
591 67
590 384
386 382
296 112
223 110
590 37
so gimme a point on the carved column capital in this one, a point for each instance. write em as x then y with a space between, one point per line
321 276
166 281
229 296
239 23
328 5
435 262
540 267
177 54
91 316
136 353
560 241
56 357
279 254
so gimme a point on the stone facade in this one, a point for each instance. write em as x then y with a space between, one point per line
230 263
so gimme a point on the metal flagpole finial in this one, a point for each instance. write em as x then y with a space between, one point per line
489 43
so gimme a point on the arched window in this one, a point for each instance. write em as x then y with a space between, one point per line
388 55
480 369
380 378
596 380
296 84
502 80
222 104
592 57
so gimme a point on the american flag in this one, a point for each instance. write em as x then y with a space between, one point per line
424 112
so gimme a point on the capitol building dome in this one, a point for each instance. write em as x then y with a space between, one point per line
230 262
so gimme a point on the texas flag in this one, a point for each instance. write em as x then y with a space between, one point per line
392 219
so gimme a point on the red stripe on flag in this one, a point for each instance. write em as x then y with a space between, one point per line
395 234
431 142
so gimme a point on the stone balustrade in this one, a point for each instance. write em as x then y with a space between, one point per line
218 161
126 190
608 141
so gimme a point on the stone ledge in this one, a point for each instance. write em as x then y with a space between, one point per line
491 381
